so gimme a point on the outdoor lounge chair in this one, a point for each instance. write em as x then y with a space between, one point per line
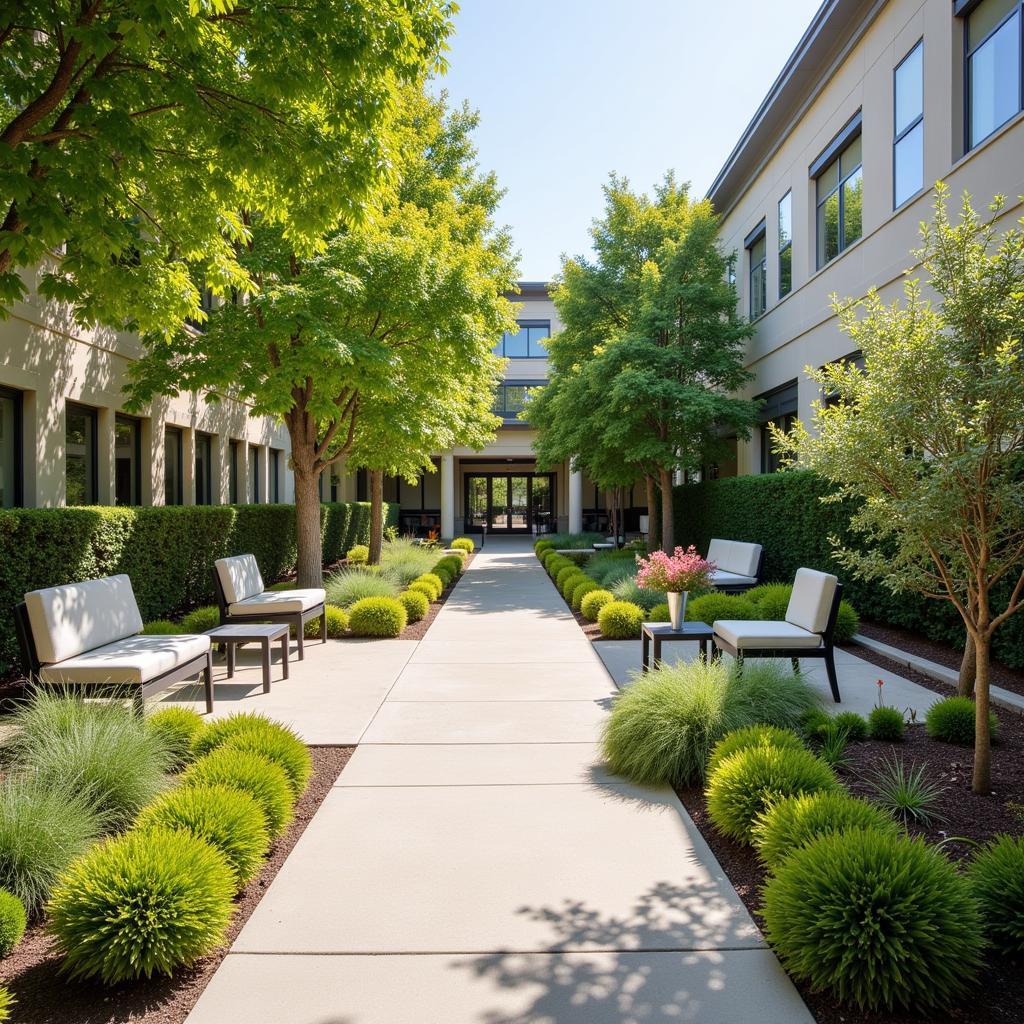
738 565
806 631
242 597
84 636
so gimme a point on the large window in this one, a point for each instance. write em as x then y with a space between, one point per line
527 342
511 398
174 461
80 456
995 90
785 244
838 182
127 461
757 262
254 474
908 126
234 454
275 475
778 409
204 469
10 448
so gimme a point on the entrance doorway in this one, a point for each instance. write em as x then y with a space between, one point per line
510 502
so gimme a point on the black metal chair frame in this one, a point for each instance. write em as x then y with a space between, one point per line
826 651
296 619
742 588
138 692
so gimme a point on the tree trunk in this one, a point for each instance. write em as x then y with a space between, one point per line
613 519
967 669
376 515
651 512
308 539
982 780
667 527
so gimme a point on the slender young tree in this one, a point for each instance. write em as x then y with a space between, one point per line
930 438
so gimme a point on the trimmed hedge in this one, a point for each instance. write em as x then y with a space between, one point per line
784 513
167 551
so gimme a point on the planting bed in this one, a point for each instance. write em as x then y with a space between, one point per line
47 997
418 630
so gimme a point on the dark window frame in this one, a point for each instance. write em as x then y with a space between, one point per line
832 154
899 136
513 417
254 480
275 475
18 399
786 246
964 10
759 234
180 432
93 456
234 446
780 403
136 424
529 353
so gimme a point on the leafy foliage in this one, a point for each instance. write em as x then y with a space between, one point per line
952 721
712 607
377 616
996 877
626 589
13 919
620 620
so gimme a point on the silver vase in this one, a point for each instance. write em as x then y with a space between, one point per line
677 607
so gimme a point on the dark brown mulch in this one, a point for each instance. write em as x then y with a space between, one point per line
418 630
46 997
1000 995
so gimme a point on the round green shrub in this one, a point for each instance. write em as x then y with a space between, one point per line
847 623
952 721
886 724
359 554
284 748
464 544
7 1002
757 735
144 903
659 613
337 624
444 574
580 591
454 564
177 729
428 590
855 726
161 627
815 723
199 620
878 920
771 600
747 782
541 546
797 820
592 603
435 581
217 732
711 607
620 620
13 919
416 604
252 773
571 582
377 616
564 573
996 877
228 819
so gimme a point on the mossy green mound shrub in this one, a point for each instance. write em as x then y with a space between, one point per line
797 820
252 773
416 604
346 586
712 607
659 613
952 721
337 624
877 920
847 623
816 723
7 1002
177 729
453 563
377 617
996 877
358 554
627 589
141 904
564 573
746 783
580 591
199 620
757 735
620 620
284 748
541 546
218 731
434 580
570 583
13 919
228 819
592 603
431 586
853 725
886 724
444 574
162 627
466 544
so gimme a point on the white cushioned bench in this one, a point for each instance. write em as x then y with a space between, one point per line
86 635
806 631
242 597
737 564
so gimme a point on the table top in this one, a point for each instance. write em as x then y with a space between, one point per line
686 631
249 631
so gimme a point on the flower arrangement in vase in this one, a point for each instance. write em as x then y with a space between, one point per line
675 575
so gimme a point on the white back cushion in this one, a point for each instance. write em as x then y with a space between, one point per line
719 552
812 599
745 558
240 577
80 617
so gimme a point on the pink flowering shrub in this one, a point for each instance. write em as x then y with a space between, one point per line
680 571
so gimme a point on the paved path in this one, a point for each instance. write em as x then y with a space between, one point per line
474 865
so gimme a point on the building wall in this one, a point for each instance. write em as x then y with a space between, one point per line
799 329
51 361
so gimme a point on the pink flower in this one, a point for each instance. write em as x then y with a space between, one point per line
680 571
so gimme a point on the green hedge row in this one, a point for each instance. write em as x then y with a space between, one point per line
783 512
167 551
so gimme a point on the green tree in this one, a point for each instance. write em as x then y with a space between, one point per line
930 438
133 134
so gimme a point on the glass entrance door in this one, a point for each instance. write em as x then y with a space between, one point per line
510 502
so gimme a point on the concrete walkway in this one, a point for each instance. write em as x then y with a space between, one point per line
474 865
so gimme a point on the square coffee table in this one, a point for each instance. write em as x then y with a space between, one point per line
659 632
235 635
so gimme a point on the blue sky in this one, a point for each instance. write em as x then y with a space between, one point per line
569 90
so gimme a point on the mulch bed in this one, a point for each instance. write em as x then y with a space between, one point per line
46 997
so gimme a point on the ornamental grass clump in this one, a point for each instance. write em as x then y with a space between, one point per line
996 878
592 603
797 820
746 783
346 586
13 918
952 721
377 617
771 693
878 920
177 729
416 604
886 724
402 561
757 735
144 903
905 792
228 819
627 589
162 627
620 620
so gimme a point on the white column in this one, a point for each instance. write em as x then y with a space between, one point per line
575 502
448 496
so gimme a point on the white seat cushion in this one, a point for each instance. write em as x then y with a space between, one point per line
239 577
721 578
735 556
719 551
742 634
69 620
134 660
279 602
811 600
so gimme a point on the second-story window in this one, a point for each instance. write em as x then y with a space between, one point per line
511 398
756 260
994 83
527 342
785 244
908 127
839 183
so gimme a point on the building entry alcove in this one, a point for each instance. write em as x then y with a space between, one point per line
513 502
